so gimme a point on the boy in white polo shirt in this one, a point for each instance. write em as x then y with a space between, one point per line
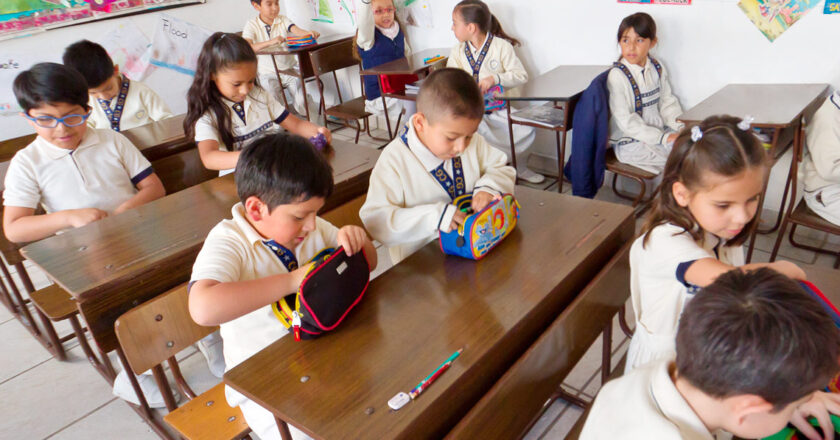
821 166
437 157
78 174
116 103
258 257
271 28
753 349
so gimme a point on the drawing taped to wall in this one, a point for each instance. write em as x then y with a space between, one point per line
774 17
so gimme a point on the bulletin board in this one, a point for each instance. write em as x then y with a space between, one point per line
20 18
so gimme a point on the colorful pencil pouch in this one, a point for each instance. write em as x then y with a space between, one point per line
491 103
791 433
482 230
334 285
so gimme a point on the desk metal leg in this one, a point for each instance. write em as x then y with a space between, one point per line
512 143
285 434
560 136
303 83
280 83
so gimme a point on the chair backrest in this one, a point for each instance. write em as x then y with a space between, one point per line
331 59
183 170
158 329
9 147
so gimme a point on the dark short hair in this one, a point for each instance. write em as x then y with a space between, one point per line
641 23
50 83
450 92
757 332
91 60
282 168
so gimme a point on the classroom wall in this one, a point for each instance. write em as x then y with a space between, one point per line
705 46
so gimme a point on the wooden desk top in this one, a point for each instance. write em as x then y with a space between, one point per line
158 139
111 252
425 308
322 41
411 65
772 105
561 83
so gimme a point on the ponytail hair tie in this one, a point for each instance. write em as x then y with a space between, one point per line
696 133
746 123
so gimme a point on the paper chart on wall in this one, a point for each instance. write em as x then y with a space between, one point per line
658 2
177 44
10 66
774 17
416 13
130 49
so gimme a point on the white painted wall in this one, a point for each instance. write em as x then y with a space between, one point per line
705 46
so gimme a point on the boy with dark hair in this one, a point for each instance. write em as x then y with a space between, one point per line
116 102
437 157
77 174
257 258
753 349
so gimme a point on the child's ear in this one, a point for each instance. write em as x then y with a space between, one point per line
254 208
116 69
30 121
653 43
742 406
420 122
681 193
255 5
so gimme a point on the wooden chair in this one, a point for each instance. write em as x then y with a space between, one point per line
346 214
331 59
802 215
619 168
156 331
182 170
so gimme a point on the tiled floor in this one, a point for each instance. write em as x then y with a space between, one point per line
44 398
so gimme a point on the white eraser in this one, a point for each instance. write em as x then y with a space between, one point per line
399 401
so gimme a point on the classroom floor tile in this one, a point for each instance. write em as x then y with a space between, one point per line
114 420
21 351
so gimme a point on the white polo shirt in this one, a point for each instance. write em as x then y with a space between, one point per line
235 251
100 173
142 106
262 114
644 404
257 31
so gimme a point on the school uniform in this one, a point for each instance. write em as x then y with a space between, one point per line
496 58
821 164
644 404
659 291
258 114
258 31
135 105
410 196
100 173
378 46
638 133
235 251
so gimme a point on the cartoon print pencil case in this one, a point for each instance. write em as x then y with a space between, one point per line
334 285
491 101
482 230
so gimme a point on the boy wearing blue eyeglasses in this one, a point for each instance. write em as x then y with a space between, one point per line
78 174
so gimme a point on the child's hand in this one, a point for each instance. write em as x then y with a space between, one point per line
352 239
278 40
315 34
818 406
80 217
298 275
671 138
326 132
457 219
486 83
789 269
481 199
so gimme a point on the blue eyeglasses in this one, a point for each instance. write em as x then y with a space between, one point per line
73 120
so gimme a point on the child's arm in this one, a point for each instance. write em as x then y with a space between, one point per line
155 106
388 219
365 25
513 72
304 128
353 239
215 159
213 303
264 44
818 406
303 32
622 109
497 177
669 106
148 189
705 271
823 140
21 225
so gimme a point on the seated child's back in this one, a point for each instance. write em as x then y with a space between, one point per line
437 157
259 256
78 174
116 102
752 348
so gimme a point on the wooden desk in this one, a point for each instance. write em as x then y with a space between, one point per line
116 263
562 85
780 107
422 310
304 69
411 65
160 139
